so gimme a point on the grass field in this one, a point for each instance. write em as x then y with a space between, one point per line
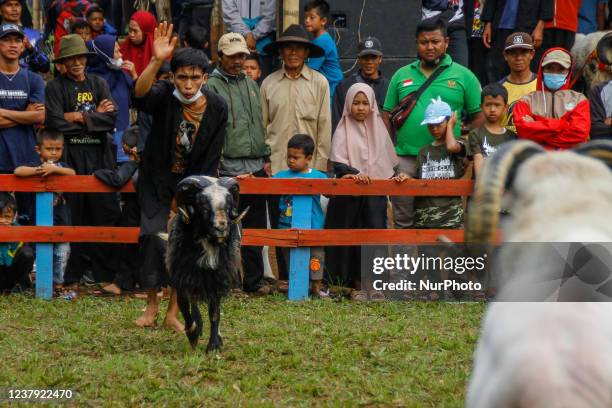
315 353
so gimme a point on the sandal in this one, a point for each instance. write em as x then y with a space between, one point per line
359 295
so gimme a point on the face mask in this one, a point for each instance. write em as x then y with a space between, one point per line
184 100
554 81
116 63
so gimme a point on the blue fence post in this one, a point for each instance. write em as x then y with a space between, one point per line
44 252
299 268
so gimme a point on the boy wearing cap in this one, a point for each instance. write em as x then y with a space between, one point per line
245 152
369 60
33 57
22 98
518 53
441 160
554 116
79 106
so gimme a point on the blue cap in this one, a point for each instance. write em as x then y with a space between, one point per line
437 112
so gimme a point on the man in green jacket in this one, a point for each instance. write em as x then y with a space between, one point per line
245 152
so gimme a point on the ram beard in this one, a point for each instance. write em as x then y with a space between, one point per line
210 255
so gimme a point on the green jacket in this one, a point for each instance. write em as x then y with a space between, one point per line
245 136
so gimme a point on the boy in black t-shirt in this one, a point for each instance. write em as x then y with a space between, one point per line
50 148
442 159
484 140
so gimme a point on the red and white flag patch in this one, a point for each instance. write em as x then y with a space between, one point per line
407 82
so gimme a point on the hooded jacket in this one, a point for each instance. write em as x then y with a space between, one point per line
559 120
245 137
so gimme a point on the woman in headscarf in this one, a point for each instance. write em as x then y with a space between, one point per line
361 150
109 64
138 47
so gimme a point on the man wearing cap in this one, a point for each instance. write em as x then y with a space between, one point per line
33 58
518 53
295 99
245 152
22 97
80 106
554 116
369 60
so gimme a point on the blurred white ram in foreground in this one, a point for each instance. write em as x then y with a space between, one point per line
546 354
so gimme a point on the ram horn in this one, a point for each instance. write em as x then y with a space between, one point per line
234 188
597 149
497 175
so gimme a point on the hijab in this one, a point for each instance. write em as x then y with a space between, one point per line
119 83
141 54
365 146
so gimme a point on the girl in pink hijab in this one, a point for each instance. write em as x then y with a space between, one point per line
361 150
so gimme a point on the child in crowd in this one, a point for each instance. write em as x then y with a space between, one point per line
130 210
316 17
361 150
99 26
299 155
484 140
50 148
252 67
442 159
197 37
81 27
16 259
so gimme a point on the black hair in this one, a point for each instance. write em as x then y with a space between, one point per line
130 136
94 8
196 36
431 24
48 134
164 69
321 6
302 141
254 57
494 90
189 57
7 200
79 24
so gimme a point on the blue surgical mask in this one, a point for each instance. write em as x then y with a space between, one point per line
554 82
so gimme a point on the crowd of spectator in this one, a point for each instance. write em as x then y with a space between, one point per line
136 101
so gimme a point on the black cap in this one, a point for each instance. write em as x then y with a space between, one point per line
6 29
370 46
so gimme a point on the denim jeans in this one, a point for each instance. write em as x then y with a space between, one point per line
61 253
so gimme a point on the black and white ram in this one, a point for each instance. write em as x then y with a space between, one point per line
203 254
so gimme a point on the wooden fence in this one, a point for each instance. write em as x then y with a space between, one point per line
300 238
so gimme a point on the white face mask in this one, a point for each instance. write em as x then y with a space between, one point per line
184 100
116 63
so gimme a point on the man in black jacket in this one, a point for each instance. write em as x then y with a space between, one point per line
80 107
504 17
187 136
369 58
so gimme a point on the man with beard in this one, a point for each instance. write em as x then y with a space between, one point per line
455 84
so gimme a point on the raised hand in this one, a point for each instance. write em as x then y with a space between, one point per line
163 41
